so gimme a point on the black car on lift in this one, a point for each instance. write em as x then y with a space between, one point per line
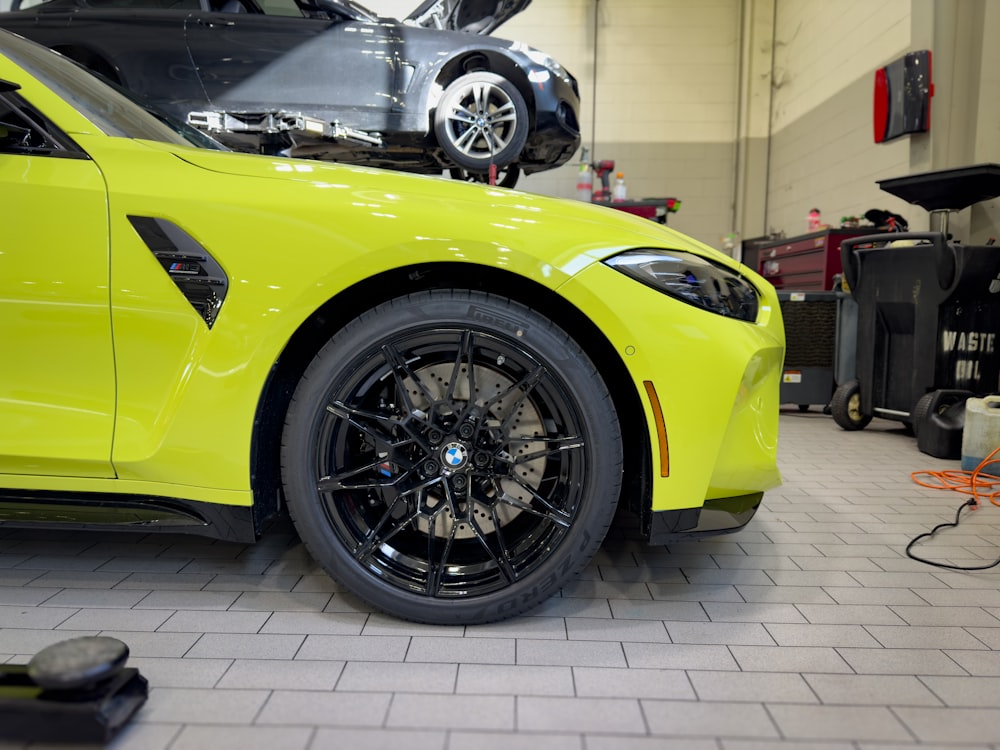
330 79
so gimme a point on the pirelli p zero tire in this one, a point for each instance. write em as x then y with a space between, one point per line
481 119
452 457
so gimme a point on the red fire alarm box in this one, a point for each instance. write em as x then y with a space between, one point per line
903 91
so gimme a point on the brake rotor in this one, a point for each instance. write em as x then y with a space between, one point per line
527 423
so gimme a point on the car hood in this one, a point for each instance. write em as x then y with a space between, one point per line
471 16
598 232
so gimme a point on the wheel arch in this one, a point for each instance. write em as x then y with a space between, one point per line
348 304
489 60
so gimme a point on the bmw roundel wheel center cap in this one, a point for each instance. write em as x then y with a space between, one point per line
454 456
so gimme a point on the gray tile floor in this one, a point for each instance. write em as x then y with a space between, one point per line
808 629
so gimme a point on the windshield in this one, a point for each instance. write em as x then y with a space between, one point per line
113 113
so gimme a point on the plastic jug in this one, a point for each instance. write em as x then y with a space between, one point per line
618 192
981 434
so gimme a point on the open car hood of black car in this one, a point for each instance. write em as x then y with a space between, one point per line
472 16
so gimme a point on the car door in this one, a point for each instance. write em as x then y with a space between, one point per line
57 378
141 45
137 43
329 66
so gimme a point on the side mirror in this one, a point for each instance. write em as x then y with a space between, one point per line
8 86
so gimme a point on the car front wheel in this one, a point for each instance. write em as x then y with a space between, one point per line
480 120
452 457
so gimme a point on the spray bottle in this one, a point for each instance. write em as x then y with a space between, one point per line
618 192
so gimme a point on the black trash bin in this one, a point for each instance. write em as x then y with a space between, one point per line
928 324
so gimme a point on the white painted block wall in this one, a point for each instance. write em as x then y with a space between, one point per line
822 152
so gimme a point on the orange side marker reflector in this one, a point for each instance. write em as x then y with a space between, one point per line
661 428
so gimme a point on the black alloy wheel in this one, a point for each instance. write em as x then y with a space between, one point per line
452 457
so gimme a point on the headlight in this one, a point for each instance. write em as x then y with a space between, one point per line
692 279
537 57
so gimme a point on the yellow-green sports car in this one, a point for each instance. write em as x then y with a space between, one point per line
449 387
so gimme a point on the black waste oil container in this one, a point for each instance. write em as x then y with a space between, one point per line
928 320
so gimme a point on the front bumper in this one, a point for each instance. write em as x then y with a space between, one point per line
556 135
717 382
722 515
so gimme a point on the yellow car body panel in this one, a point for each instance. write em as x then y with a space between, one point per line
115 384
57 378
161 429
731 425
244 208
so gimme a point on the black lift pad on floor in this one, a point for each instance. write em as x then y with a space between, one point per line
29 712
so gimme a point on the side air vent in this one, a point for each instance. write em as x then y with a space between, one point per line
196 273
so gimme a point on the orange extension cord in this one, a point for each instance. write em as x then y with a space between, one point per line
967 482
972 483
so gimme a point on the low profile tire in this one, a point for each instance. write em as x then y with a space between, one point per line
481 119
845 406
452 457
507 177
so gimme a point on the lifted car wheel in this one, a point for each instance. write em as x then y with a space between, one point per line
452 457
481 119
